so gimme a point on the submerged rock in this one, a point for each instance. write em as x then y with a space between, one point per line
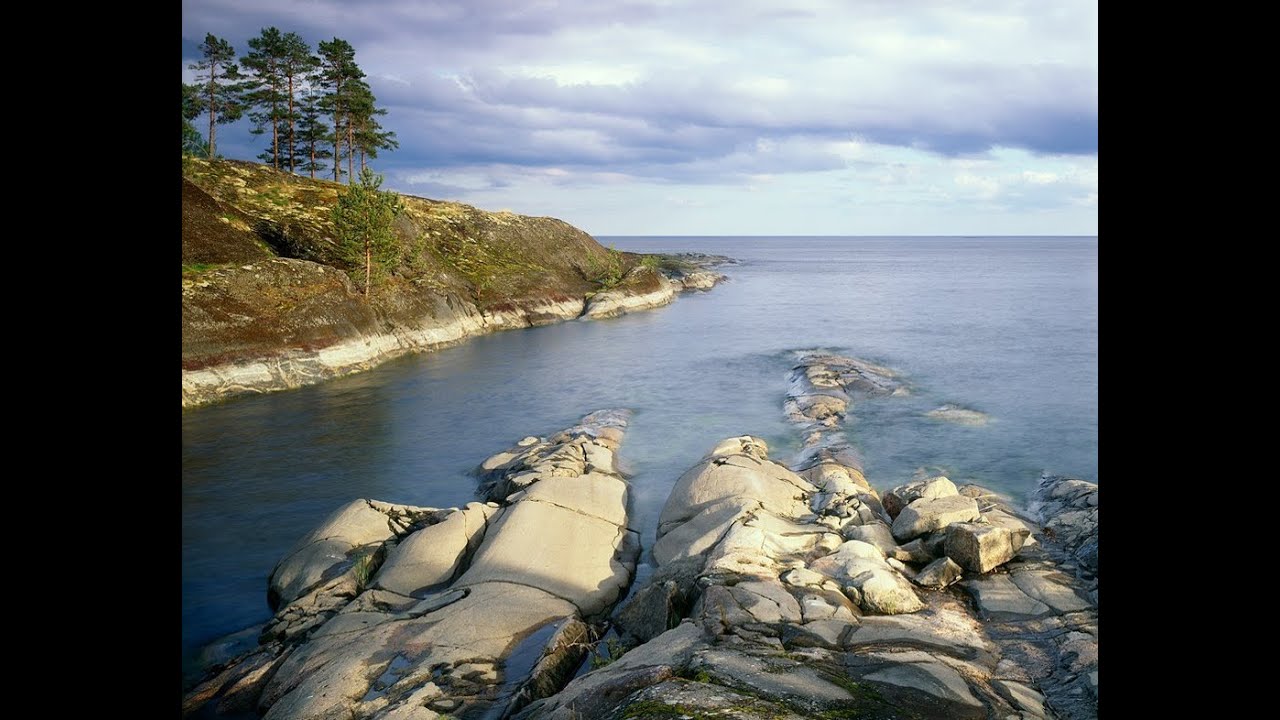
958 415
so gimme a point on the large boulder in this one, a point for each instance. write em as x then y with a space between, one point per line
734 471
928 514
982 548
903 495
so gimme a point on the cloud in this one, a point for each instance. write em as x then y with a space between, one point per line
712 92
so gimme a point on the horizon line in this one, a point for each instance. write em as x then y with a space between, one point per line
828 235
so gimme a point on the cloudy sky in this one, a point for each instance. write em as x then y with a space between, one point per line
719 117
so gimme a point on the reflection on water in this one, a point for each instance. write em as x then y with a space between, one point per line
1007 327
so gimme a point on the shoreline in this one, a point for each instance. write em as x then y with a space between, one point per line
296 367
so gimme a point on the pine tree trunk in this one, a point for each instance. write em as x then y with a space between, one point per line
211 114
275 144
362 161
313 159
291 147
351 151
337 131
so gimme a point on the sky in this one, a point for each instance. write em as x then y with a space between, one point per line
721 117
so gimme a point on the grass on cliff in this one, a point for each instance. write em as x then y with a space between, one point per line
254 211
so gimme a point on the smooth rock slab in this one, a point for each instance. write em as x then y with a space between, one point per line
928 514
935 679
550 547
998 597
1042 586
982 548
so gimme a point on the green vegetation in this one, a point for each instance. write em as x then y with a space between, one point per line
364 567
362 219
652 709
310 102
613 649
608 272
218 93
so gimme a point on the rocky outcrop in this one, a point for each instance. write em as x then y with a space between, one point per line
779 591
783 592
393 611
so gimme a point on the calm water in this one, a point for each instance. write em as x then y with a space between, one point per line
1007 326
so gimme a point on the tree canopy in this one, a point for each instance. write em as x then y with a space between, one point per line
317 106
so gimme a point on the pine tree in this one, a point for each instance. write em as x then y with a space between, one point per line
369 136
312 132
220 90
340 75
264 92
280 62
192 142
363 218
297 65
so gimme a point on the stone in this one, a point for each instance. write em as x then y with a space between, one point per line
433 554
327 551
766 601
601 496
554 548
959 415
824 604
936 680
913 552
903 495
886 592
947 631
1024 698
737 476
982 548
661 602
999 598
594 694
939 574
928 514
771 678
697 535
1051 588
875 533
801 577
828 633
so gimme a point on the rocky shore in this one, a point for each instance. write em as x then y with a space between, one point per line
445 321
268 303
780 590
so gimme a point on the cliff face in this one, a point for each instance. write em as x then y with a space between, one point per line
267 302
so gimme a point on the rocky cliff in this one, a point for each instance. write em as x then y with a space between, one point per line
268 302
